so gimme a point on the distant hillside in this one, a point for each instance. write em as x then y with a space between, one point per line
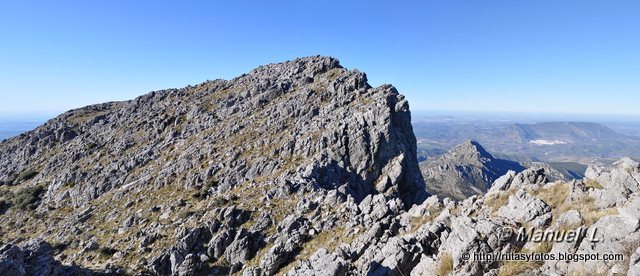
577 142
466 170
570 169
566 132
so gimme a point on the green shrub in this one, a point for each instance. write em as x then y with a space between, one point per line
70 184
187 214
26 175
200 195
60 246
107 251
4 205
28 198
7 182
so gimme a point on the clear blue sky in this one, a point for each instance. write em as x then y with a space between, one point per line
575 56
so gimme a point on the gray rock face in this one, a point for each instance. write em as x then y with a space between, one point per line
523 208
322 263
310 111
466 170
36 258
621 180
533 177
617 234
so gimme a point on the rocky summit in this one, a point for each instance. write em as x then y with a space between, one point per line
219 176
296 168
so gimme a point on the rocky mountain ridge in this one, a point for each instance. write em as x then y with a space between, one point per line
296 168
119 184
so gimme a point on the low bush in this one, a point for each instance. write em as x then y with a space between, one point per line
107 251
28 198
26 175
4 205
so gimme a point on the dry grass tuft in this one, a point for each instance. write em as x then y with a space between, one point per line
592 215
590 183
497 200
553 195
445 266
516 267
416 222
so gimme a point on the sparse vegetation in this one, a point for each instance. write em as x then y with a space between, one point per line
26 175
60 246
419 221
556 195
107 251
590 183
85 116
445 266
70 184
28 198
553 195
333 73
329 240
4 205
544 246
592 215
516 267
7 182
186 214
200 195
508 268
499 199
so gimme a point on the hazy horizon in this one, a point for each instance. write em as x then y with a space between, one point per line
14 123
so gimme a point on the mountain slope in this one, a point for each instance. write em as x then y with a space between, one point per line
133 177
568 132
466 170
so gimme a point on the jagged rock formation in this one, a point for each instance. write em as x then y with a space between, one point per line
464 171
277 117
552 172
37 258
298 168
132 178
476 225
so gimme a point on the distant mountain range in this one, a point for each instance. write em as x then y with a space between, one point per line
575 142
566 132
466 170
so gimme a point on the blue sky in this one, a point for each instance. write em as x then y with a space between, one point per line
500 56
